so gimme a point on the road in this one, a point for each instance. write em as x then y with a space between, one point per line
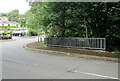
19 63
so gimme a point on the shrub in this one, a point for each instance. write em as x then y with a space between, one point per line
6 33
42 44
32 32
42 33
116 52
6 37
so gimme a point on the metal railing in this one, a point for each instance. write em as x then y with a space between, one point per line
87 43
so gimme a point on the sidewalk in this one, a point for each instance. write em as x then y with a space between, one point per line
81 53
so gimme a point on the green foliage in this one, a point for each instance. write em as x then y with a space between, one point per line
116 52
30 20
6 37
42 44
32 32
22 20
6 33
76 19
42 33
13 15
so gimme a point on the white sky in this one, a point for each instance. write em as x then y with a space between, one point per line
8 5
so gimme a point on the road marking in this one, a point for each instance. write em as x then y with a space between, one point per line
99 75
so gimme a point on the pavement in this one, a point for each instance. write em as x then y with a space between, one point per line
64 51
20 63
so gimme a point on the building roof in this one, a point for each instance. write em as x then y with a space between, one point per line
3 19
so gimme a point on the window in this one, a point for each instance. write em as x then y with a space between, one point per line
8 24
2 24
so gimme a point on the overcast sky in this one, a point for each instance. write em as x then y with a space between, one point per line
8 5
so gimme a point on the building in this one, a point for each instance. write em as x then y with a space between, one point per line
5 24
11 26
3 19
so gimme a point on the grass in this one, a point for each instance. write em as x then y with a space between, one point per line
116 52
9 26
42 44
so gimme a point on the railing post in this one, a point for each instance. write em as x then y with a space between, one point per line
104 44
101 43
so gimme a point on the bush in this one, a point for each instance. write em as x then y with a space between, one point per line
42 33
6 37
6 33
116 52
42 44
32 32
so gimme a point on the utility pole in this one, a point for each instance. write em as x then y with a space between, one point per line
86 31
38 24
39 10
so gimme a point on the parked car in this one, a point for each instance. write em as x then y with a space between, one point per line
17 33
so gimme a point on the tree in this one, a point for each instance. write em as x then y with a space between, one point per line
59 17
105 20
13 15
76 19
30 20
22 20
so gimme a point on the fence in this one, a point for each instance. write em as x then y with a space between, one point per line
87 43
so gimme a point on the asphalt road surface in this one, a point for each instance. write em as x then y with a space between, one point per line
19 63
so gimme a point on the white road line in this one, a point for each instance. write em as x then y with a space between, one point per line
99 75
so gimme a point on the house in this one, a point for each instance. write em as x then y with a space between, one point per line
3 19
6 24
11 26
